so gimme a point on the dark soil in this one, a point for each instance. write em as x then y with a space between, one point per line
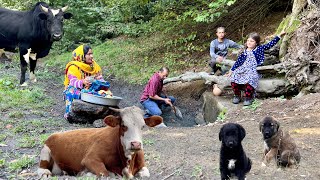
131 95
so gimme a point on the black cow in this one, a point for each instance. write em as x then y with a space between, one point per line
33 32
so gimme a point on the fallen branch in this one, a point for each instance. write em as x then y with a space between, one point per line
168 176
274 67
269 86
227 62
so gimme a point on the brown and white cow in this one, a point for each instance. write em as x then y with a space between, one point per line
116 148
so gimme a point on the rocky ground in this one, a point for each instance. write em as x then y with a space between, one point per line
187 151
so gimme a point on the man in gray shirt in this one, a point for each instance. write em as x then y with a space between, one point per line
219 49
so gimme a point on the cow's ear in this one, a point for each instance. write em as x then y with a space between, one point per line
67 15
42 16
112 121
153 121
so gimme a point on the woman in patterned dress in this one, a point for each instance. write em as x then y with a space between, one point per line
78 73
244 73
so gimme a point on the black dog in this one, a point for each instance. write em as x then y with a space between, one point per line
233 159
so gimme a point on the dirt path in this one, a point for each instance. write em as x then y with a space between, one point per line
188 152
193 153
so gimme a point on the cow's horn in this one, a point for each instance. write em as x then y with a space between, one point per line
44 9
64 9
115 110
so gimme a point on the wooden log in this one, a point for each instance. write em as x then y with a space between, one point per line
84 112
269 68
226 62
274 86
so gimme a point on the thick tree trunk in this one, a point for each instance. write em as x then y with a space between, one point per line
302 61
298 5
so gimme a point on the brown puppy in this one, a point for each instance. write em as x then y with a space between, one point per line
278 144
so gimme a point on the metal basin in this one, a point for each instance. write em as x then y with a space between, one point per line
113 101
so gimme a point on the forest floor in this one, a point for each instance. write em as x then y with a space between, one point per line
176 152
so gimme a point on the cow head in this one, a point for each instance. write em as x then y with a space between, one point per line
131 123
54 18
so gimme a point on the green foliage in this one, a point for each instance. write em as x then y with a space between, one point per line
131 59
2 163
20 5
21 98
30 126
197 171
222 114
206 11
16 114
43 138
3 137
284 25
255 104
6 83
148 142
23 162
27 141
95 21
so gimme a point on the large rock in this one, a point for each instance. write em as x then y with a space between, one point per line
84 112
211 107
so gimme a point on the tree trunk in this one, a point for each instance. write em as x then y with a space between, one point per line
298 5
301 63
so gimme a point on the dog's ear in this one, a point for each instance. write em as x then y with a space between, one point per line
278 124
242 132
221 134
260 126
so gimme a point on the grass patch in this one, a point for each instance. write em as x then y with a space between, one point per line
21 98
222 114
197 171
30 141
27 142
254 106
133 60
23 162
148 142
2 163
43 138
16 114
30 126
3 137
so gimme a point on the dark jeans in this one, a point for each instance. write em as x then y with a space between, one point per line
153 107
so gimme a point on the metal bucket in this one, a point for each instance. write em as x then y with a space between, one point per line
113 101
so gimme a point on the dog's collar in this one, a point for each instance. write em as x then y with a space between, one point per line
279 143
